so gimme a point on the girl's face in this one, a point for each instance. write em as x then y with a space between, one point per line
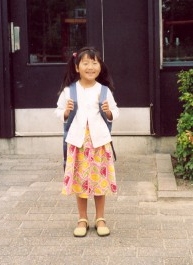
88 69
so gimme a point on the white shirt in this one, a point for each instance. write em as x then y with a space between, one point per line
88 112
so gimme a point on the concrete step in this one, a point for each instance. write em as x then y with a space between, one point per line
124 145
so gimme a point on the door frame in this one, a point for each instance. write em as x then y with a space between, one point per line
7 129
154 65
7 123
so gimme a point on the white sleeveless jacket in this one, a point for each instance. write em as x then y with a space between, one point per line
87 113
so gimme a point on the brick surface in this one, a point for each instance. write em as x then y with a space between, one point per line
150 221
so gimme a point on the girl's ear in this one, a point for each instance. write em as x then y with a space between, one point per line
76 68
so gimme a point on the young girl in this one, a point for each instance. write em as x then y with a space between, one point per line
89 167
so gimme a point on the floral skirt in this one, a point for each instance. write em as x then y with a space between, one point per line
89 170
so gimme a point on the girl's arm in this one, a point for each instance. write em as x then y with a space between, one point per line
110 107
69 107
64 105
106 109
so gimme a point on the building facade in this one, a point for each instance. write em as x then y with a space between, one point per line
144 43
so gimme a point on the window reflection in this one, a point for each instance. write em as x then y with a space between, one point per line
56 28
177 30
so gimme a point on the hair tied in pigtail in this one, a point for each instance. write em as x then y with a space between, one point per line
74 57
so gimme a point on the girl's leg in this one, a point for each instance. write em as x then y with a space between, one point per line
82 209
100 206
102 229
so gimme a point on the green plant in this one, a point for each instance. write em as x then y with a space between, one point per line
184 145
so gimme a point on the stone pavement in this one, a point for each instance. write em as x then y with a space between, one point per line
147 226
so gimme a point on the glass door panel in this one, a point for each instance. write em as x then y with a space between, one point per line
177 17
56 28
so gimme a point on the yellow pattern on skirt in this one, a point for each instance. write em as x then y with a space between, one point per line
89 170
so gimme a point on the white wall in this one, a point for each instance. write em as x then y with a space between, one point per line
39 122
38 131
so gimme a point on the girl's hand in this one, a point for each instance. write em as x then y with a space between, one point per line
69 107
105 108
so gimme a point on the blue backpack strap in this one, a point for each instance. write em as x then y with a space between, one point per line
73 93
73 96
102 98
103 94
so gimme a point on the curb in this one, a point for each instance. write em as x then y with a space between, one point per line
167 187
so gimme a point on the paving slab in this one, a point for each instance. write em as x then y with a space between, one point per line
150 220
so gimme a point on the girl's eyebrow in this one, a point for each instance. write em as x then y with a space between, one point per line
87 60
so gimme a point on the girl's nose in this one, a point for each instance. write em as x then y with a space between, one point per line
90 65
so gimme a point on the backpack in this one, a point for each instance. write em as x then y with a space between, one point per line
73 96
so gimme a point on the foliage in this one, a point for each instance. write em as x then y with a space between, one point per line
184 146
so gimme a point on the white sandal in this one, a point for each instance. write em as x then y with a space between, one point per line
102 230
81 231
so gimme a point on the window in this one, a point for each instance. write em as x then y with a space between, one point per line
56 28
177 19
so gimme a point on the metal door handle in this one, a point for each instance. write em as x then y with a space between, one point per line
15 38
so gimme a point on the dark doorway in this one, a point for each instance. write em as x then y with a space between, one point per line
120 31
126 50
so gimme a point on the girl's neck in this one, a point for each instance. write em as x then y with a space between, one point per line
86 84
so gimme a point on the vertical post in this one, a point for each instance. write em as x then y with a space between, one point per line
154 64
6 110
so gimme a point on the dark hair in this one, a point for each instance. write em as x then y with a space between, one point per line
71 75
